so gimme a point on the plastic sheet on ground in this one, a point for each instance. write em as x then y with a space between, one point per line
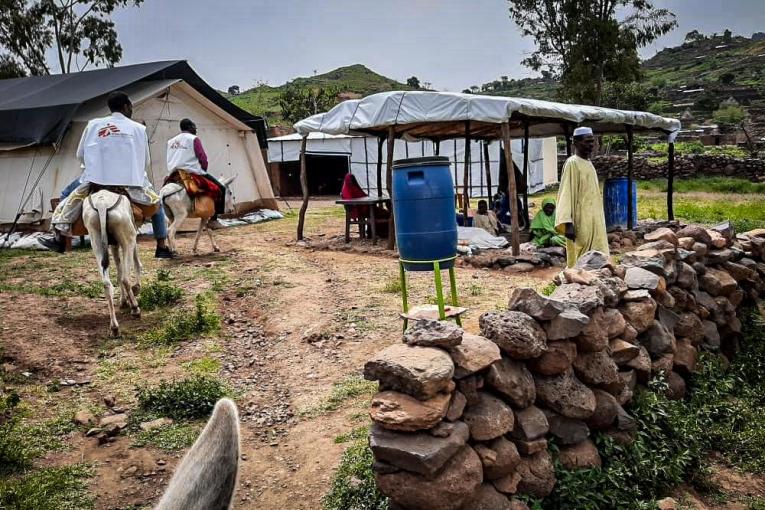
28 241
479 238
252 218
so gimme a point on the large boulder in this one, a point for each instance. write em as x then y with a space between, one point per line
513 381
650 260
639 278
456 406
689 326
421 372
566 395
622 352
418 452
594 336
585 298
596 368
473 355
530 424
717 282
430 333
516 333
499 458
532 303
686 276
675 386
556 359
663 234
642 365
686 357
605 411
639 314
580 456
448 490
711 335
719 256
592 261
537 475
489 418
699 234
566 324
614 323
658 339
566 430
399 411
612 288
487 498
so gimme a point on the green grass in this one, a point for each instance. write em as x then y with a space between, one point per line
548 289
62 289
56 488
177 436
353 484
475 289
705 184
745 214
356 434
159 292
187 399
392 286
185 324
350 388
203 366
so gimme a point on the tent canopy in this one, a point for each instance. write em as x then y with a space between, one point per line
38 110
443 115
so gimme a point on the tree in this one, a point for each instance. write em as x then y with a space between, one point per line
9 68
298 102
72 29
582 42
694 36
474 88
729 116
413 82
234 90
727 36
626 96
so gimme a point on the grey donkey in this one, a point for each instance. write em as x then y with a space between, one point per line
206 477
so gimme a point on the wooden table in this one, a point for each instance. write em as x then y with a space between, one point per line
370 202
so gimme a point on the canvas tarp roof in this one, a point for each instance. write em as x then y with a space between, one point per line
442 115
38 110
362 154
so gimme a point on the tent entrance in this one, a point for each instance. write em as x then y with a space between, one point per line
325 175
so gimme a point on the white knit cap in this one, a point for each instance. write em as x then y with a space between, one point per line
582 131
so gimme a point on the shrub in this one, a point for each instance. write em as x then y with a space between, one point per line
56 488
184 325
159 292
187 399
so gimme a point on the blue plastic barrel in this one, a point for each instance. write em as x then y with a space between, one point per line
615 203
423 204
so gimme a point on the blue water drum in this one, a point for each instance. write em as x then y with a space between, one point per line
423 204
615 203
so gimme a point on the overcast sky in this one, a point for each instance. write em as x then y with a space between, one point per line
450 43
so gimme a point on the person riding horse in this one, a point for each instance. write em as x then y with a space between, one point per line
114 152
187 164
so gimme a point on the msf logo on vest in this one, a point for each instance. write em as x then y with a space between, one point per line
108 130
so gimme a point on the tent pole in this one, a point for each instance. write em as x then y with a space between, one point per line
487 165
366 164
630 151
480 171
512 190
567 130
526 172
437 147
670 180
466 175
304 187
379 166
389 182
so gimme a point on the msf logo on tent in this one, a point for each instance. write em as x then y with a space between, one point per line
109 129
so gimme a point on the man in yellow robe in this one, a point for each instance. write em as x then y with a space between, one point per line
579 215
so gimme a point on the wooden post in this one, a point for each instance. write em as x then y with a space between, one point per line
670 180
366 164
511 190
466 175
438 147
487 165
389 183
304 187
526 172
630 150
379 166
567 131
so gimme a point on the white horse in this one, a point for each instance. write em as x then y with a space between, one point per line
206 477
179 206
107 214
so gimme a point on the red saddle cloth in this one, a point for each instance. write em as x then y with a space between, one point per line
194 184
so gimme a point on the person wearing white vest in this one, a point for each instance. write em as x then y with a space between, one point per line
114 151
185 152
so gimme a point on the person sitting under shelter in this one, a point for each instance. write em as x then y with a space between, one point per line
486 219
114 152
543 227
187 165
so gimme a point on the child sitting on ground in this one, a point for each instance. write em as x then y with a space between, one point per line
485 219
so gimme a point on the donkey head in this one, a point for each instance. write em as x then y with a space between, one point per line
230 200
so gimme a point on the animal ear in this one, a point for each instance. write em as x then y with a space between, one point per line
206 477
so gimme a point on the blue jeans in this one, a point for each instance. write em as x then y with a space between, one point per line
158 222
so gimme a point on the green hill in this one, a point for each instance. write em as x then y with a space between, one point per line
352 81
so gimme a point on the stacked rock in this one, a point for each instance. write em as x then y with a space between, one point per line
463 421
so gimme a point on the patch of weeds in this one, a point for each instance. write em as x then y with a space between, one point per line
202 366
548 289
66 288
392 286
186 399
754 503
356 434
177 436
349 388
159 292
184 325
55 488
475 289
353 484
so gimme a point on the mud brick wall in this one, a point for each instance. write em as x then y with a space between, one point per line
462 421
685 166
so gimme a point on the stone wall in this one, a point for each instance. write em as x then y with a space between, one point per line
685 166
462 421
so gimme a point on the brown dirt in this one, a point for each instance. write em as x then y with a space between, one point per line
273 294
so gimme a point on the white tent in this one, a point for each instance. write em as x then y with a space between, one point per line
362 158
37 172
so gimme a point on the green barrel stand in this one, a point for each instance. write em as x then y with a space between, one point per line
439 287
